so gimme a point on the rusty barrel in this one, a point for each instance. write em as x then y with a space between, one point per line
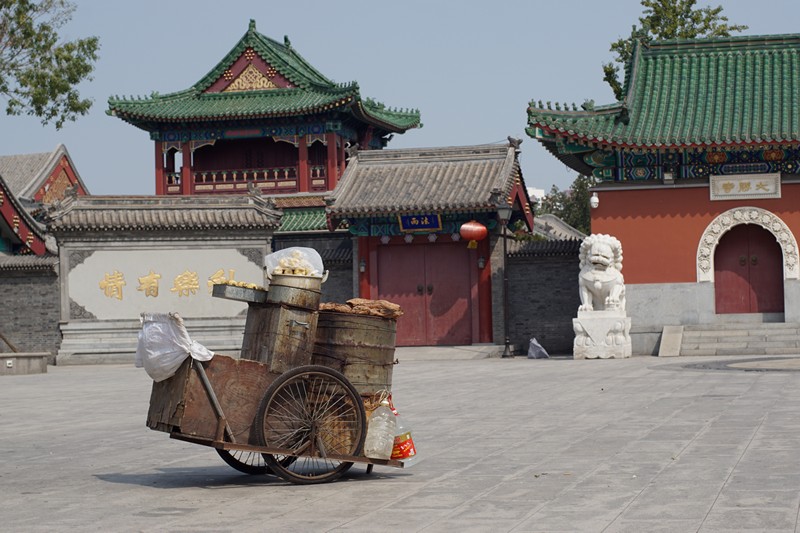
297 291
282 336
281 331
359 346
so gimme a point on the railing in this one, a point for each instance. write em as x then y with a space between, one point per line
277 179
246 174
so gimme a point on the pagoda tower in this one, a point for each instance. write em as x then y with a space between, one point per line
262 116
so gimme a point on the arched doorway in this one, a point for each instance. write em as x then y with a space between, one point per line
748 271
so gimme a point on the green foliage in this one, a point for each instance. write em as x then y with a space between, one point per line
572 205
664 20
38 73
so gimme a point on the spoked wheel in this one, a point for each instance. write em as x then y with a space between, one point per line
314 413
247 462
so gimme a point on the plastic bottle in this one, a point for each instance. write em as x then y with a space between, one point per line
381 431
404 448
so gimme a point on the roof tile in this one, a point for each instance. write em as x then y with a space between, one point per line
147 213
464 178
723 91
313 93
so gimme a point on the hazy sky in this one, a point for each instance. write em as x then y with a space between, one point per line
470 67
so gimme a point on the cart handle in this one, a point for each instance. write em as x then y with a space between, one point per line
213 398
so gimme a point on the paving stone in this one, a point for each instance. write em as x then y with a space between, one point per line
640 444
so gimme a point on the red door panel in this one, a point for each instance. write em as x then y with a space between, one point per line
731 273
401 273
766 272
449 305
748 272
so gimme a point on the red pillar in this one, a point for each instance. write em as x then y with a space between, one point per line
366 139
304 176
341 159
161 182
332 166
186 169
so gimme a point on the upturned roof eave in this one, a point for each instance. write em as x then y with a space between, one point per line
365 115
31 224
602 143
680 117
137 112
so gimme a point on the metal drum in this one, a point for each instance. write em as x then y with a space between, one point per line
297 291
359 346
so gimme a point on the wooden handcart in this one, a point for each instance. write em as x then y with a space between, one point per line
294 403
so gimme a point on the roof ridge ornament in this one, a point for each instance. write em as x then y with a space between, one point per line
623 117
351 150
252 26
514 143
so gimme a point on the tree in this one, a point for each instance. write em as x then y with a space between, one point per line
39 74
663 20
572 205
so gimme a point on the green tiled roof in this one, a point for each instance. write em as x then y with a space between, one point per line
191 106
311 93
702 92
305 219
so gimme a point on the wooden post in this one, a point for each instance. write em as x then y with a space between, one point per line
186 169
304 176
363 144
332 165
341 159
161 182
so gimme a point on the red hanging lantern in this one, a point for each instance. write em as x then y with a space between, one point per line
473 231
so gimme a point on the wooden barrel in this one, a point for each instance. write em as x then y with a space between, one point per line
359 346
297 291
279 335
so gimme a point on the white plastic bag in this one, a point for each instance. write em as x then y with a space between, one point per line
305 261
536 350
164 344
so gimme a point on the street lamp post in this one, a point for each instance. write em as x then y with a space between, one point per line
504 215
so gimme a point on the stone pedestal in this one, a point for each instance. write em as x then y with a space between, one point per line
602 335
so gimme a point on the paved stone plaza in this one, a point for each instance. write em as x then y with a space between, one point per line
639 444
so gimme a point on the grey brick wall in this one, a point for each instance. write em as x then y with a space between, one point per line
542 295
29 314
339 286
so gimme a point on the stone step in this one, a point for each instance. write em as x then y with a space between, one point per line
741 339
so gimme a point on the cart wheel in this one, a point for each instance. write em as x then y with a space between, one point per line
247 462
313 412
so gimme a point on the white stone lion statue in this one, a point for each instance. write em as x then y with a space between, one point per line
601 284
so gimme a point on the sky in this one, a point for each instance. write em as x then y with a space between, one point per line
471 67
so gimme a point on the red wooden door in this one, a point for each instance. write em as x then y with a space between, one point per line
432 285
448 293
748 272
401 279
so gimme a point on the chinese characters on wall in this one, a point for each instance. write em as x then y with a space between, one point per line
745 186
185 284
429 222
